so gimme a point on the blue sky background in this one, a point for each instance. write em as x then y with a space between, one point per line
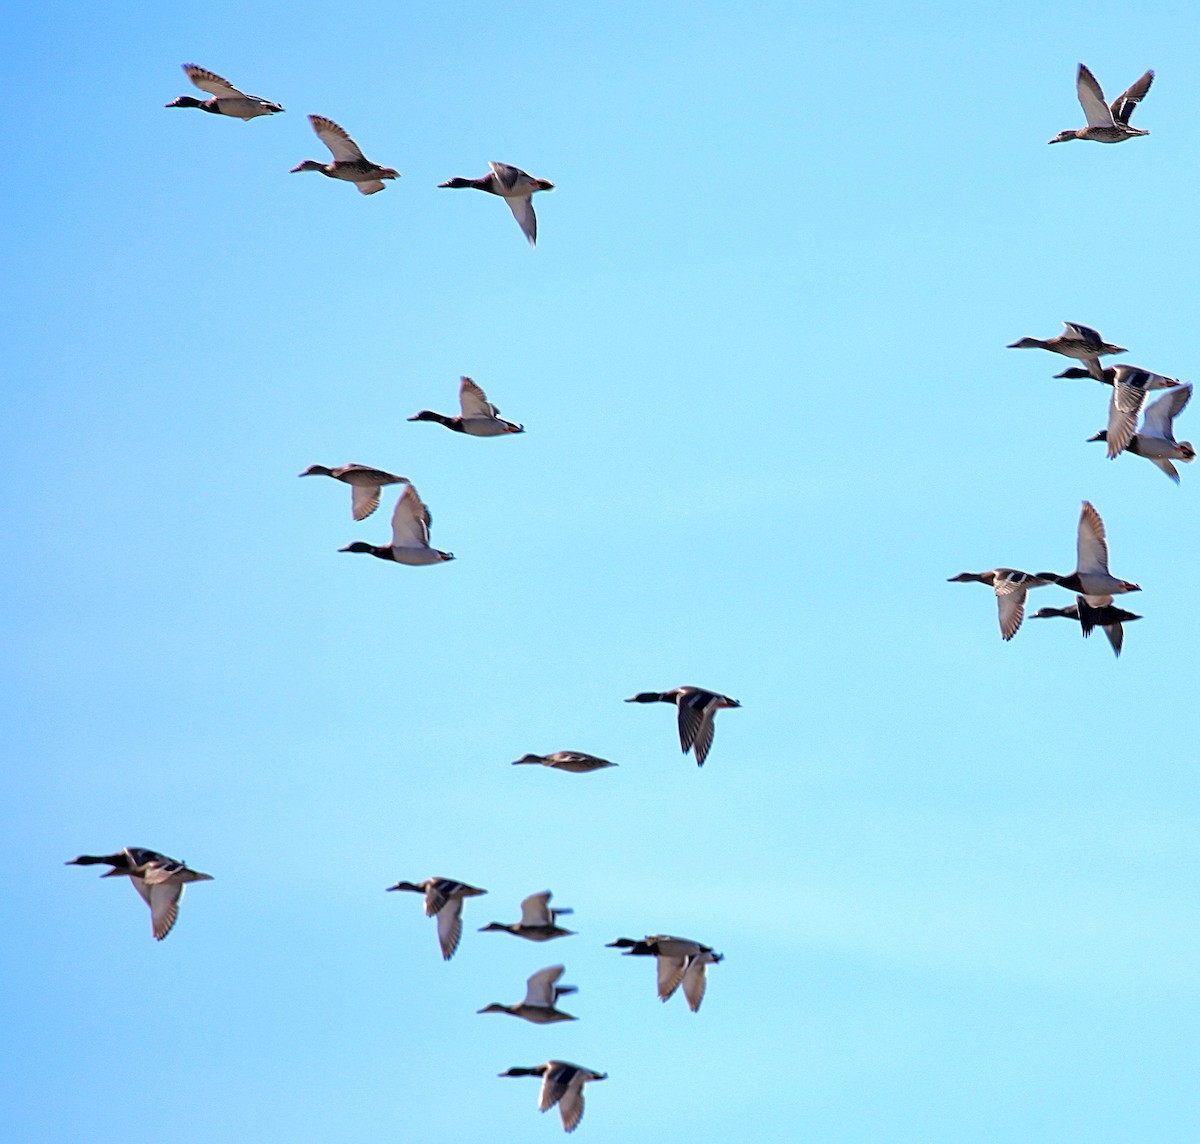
759 353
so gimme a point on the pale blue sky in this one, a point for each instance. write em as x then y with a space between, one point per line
759 353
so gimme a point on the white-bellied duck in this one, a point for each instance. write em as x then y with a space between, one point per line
443 900
479 417
1091 578
365 485
1156 439
410 535
538 921
697 709
1010 586
226 99
562 1084
515 187
679 961
541 999
349 163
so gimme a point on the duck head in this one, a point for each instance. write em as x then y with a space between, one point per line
1063 137
186 101
316 471
309 165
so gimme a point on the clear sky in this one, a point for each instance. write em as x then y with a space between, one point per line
759 353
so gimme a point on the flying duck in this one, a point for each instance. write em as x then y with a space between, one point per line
1156 440
1106 123
541 999
515 187
158 879
410 535
697 709
1010 586
1108 375
479 417
365 485
538 921
1075 341
680 961
1092 578
349 163
443 900
1090 617
226 99
574 761
562 1084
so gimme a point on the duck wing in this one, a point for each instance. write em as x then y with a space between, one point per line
449 927
1091 99
1128 397
1010 600
213 83
1166 467
1159 414
694 980
1084 334
1092 545
522 209
343 148
539 988
535 910
410 521
364 500
507 177
1122 107
369 188
570 1106
670 974
555 1081
163 900
473 401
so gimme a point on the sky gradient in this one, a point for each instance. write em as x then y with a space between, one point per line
759 354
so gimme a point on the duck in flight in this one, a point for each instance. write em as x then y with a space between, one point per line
1090 617
680 961
226 99
562 1084
444 901
538 921
697 710
365 484
159 881
1011 587
1091 578
1156 439
1076 341
410 535
577 762
541 999
515 187
349 163
478 417
1106 122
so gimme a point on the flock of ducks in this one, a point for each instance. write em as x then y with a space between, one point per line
1092 582
681 963
349 164
160 881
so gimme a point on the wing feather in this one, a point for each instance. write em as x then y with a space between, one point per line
1091 98
410 521
344 149
212 83
1092 546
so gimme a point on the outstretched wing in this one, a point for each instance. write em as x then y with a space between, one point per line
212 83
1128 397
535 910
344 149
473 401
670 974
1122 107
1091 98
506 176
1010 599
1083 333
522 209
1092 546
449 927
539 988
410 521
1160 413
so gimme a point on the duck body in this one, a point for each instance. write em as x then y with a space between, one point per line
562 1084
577 762
1106 123
1011 587
697 709
541 999
366 484
1091 578
444 901
478 416
538 921
1090 617
680 961
411 522
515 187
225 98
349 163
159 881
